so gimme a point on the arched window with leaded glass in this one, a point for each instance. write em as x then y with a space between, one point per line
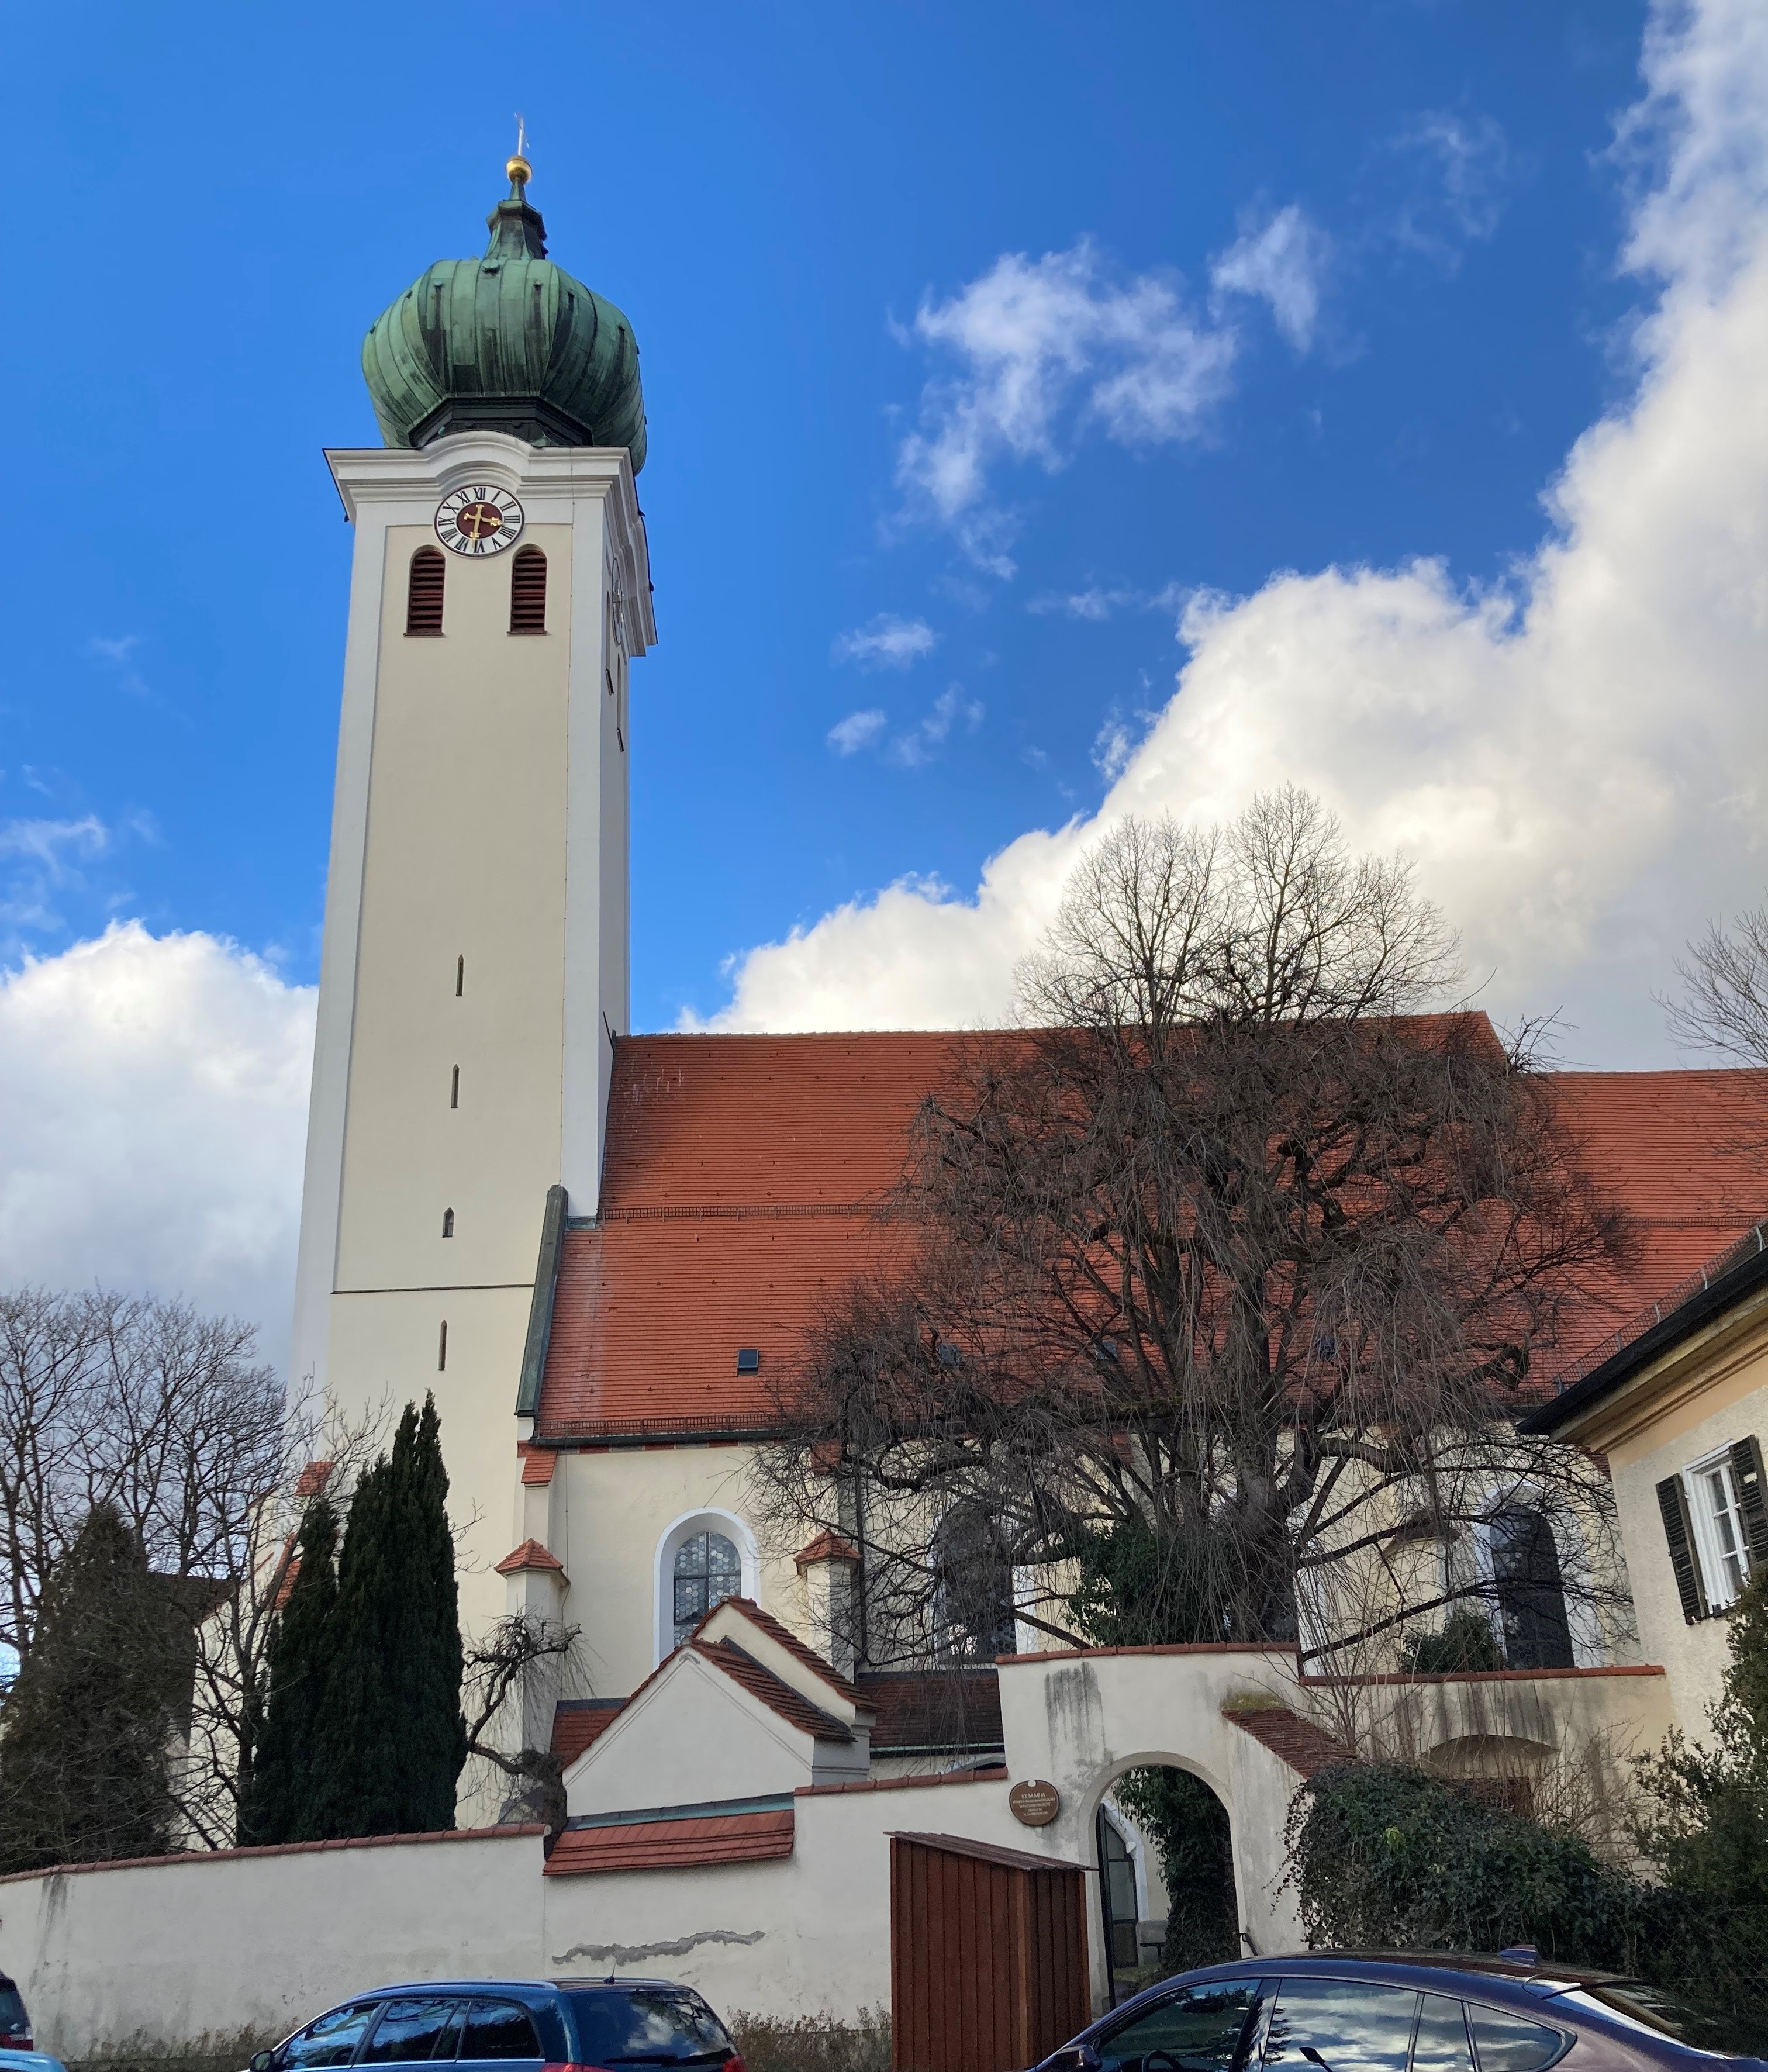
708 1570
703 1557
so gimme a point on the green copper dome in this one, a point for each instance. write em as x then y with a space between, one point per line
509 343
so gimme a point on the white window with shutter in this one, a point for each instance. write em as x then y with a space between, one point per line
1716 1521
1718 1527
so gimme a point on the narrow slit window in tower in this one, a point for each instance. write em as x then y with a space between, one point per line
460 977
442 1349
448 1222
454 1090
527 591
423 591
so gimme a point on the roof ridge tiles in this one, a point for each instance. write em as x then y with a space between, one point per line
732 1212
774 1692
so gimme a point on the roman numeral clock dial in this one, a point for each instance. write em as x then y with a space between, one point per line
480 519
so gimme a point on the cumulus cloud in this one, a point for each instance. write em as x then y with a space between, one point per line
858 730
1282 262
886 642
1036 347
1578 758
155 1095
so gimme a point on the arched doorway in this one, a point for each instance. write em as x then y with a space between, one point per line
1166 1892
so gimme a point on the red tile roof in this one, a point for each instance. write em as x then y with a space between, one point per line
1668 1146
654 1845
825 1672
538 1463
826 1547
779 1697
743 1173
945 1709
529 1555
1305 1747
312 1478
578 1723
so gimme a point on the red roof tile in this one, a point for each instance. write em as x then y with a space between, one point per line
779 1697
826 1547
538 1463
1666 1145
1305 1747
654 1845
312 1478
529 1555
944 1709
743 1172
788 1640
579 1723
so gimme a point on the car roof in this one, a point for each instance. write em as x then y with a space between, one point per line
1507 1981
1499 1970
519 1986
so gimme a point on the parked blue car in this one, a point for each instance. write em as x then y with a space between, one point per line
507 2025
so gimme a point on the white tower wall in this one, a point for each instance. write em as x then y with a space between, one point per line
476 920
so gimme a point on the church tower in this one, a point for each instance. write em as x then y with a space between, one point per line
473 977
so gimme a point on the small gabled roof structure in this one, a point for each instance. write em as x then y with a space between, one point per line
766 1713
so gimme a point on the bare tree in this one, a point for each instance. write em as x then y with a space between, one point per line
1724 977
165 1416
143 1405
511 1673
1196 1278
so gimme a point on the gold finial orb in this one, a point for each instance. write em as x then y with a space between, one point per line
519 168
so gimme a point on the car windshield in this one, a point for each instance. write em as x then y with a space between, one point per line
12 2010
1649 2007
647 2025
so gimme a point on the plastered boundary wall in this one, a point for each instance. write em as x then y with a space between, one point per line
190 1955
196 1955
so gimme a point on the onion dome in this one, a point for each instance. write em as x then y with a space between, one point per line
509 343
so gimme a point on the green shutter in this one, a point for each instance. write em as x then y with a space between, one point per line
1747 1478
1674 1504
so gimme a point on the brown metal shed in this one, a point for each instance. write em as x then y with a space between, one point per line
987 1955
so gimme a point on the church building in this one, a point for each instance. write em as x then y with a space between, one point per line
600 1249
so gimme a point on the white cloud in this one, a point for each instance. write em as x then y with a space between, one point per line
858 730
1282 262
886 642
1468 165
42 860
1578 759
1095 603
121 655
1039 346
918 746
155 1093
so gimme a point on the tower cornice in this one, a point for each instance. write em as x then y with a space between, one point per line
548 479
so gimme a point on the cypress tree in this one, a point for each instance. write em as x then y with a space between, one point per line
389 1741
86 1730
277 1805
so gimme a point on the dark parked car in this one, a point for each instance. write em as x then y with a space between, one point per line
505 2024
1411 2012
15 2023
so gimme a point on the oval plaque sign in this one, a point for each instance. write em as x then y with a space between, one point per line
1034 1804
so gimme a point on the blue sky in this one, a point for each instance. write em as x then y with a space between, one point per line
1056 413
220 199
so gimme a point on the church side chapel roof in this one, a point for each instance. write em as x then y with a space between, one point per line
744 1173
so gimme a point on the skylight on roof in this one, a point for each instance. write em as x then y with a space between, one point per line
748 1360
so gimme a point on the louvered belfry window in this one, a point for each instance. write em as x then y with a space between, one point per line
527 591
424 594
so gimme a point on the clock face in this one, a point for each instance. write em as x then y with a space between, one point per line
480 519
